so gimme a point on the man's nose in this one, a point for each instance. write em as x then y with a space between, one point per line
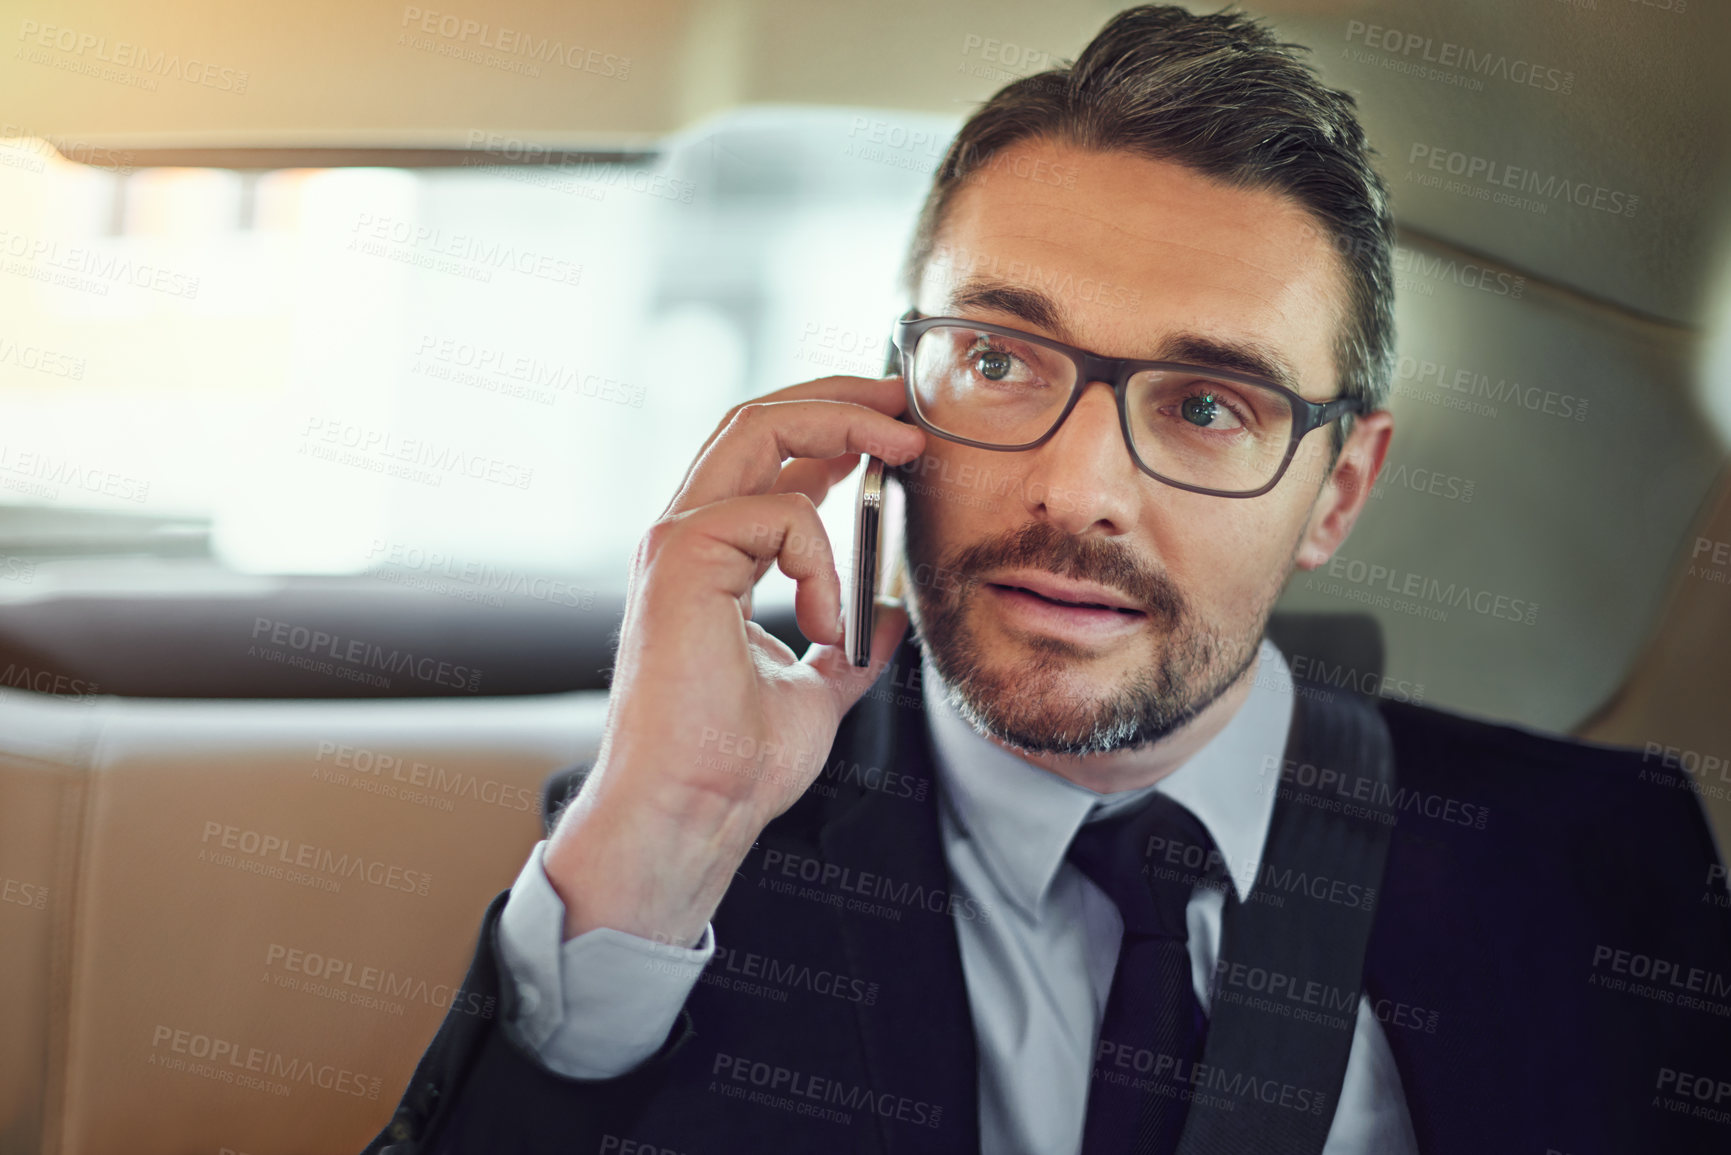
1083 479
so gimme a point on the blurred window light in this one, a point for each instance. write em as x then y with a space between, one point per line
498 365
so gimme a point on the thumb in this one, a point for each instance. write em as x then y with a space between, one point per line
848 682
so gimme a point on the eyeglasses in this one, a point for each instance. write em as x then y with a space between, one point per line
1206 430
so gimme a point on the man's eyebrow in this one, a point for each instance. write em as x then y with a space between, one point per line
1030 306
1042 311
1250 357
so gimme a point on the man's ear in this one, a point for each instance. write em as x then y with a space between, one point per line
1347 488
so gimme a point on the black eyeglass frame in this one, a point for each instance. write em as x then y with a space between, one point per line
1307 415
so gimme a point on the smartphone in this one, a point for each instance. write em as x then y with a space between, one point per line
870 517
868 525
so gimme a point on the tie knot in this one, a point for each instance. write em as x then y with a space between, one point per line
1148 861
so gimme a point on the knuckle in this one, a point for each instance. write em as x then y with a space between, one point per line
806 536
657 537
749 413
736 418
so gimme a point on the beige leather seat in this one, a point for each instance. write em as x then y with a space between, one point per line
235 925
40 790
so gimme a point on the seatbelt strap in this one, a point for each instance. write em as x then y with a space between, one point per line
1285 992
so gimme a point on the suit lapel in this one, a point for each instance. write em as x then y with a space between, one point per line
918 1038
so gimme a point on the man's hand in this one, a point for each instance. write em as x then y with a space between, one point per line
714 726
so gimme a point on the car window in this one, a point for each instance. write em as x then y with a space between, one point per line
488 365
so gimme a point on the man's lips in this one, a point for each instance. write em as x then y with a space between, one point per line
1071 595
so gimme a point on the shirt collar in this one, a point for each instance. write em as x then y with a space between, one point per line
1022 817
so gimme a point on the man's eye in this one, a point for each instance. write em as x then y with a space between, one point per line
994 364
1207 410
1200 409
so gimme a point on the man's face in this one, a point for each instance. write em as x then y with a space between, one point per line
1136 258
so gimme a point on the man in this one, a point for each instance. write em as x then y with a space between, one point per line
1075 866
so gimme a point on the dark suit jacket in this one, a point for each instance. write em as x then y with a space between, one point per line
1550 959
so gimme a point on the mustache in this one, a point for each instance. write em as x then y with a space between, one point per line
1042 546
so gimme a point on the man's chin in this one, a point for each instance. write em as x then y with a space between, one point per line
1032 730
1047 696
1041 703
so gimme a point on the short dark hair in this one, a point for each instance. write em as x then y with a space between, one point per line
1218 94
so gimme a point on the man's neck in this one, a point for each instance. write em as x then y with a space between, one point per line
1123 770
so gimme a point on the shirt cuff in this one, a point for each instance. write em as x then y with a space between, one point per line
600 1004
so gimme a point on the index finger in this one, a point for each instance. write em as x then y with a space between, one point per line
745 458
885 394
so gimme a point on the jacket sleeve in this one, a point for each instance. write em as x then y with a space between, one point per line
478 1083
477 1088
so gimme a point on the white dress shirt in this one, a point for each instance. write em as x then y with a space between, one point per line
1037 973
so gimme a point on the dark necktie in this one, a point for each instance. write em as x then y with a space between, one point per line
1147 861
